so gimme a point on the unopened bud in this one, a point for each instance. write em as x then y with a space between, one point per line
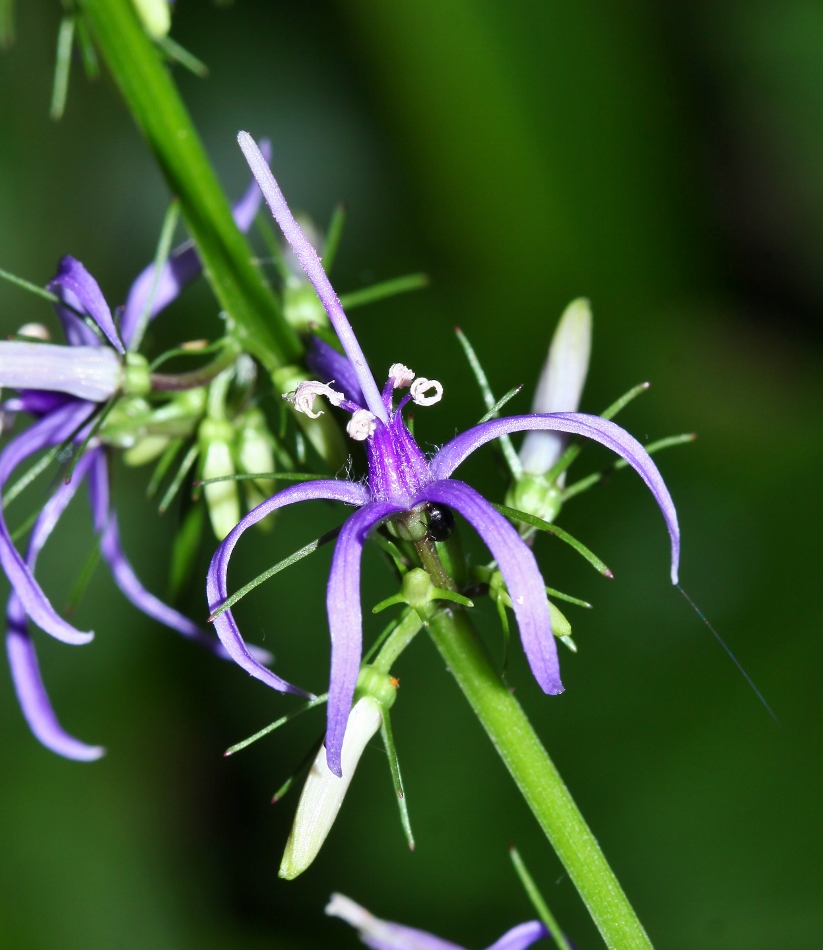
35 331
222 498
255 455
560 385
155 16
324 792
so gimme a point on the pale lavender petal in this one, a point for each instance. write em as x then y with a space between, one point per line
216 589
520 572
520 937
81 291
310 262
383 934
327 364
34 701
88 372
576 423
183 265
50 430
346 621
25 670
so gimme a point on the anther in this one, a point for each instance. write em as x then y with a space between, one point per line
361 425
303 397
421 386
36 331
400 375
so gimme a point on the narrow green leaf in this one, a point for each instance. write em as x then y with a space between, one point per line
62 67
6 23
538 903
187 351
387 288
239 746
178 54
184 549
509 454
24 527
504 623
146 84
397 779
274 476
388 630
611 411
80 452
185 466
495 409
303 766
591 480
280 566
87 51
163 465
83 579
549 528
559 595
333 234
388 547
161 256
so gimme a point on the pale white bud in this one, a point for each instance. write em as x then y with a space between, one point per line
324 792
35 331
303 397
421 386
400 375
156 16
361 425
560 385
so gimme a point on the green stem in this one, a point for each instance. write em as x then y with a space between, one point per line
138 69
538 780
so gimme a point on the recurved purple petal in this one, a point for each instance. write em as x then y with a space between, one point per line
216 589
310 262
383 934
183 265
34 701
520 572
81 291
520 937
25 670
51 430
327 364
576 423
346 621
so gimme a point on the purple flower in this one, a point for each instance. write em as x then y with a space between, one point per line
63 387
401 480
385 935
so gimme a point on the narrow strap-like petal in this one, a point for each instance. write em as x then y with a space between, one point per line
576 423
34 701
328 365
216 589
81 291
183 265
384 934
87 372
519 570
25 670
520 937
50 430
346 621
310 262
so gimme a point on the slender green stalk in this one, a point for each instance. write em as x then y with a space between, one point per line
138 69
538 780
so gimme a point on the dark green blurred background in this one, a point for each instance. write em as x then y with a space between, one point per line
663 159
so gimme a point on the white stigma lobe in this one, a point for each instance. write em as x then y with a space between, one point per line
303 397
421 387
361 425
400 375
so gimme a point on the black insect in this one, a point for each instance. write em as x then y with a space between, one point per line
441 522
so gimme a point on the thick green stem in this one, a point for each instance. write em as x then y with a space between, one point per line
138 69
538 780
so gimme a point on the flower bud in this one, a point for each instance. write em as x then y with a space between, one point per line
255 455
222 498
88 372
323 792
155 16
560 385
